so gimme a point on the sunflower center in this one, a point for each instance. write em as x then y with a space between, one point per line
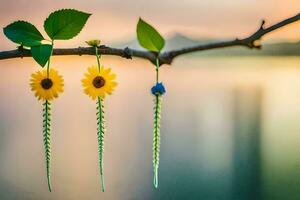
46 83
98 82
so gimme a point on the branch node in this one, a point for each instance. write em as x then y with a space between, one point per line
256 44
79 50
262 24
166 58
127 53
20 50
102 49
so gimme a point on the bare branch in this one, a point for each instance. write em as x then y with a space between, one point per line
168 57
165 57
104 50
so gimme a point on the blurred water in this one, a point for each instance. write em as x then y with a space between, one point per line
230 130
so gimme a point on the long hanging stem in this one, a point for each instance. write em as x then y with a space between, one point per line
156 138
47 140
46 130
100 124
100 135
156 130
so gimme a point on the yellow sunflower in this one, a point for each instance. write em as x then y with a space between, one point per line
46 88
97 84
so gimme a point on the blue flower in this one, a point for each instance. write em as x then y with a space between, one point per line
158 89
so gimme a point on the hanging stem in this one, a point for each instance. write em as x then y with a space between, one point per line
100 135
156 138
46 130
156 130
47 140
100 128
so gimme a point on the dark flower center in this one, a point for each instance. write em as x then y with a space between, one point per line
98 82
46 83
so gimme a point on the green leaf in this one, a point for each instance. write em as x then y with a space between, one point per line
41 53
148 37
23 33
65 24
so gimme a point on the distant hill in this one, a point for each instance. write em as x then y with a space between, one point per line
268 49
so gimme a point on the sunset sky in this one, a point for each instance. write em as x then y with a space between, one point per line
115 20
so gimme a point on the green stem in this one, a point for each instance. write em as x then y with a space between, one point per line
100 123
46 130
156 69
47 140
155 177
156 138
48 63
98 57
100 136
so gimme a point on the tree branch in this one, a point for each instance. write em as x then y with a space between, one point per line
249 42
165 57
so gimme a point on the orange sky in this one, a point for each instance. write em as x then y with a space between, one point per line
115 20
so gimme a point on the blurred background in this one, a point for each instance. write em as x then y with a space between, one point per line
230 118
